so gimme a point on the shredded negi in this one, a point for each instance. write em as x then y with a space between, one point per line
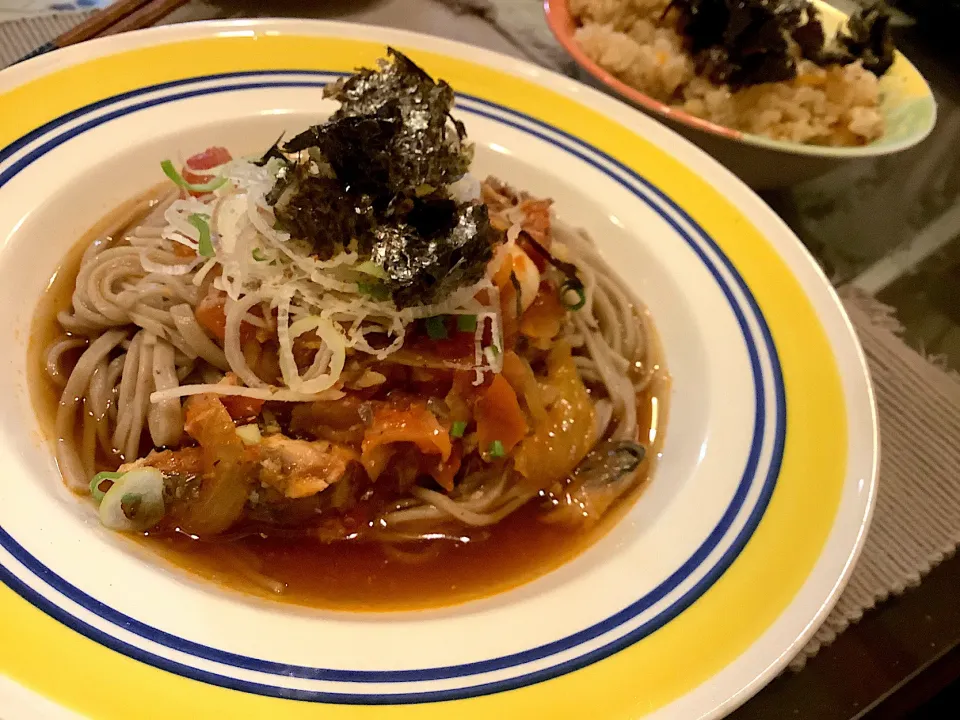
358 227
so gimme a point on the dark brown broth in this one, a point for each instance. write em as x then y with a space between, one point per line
355 576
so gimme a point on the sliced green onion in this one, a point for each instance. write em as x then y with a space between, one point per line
130 505
458 428
374 290
467 323
368 267
496 449
135 502
437 327
495 350
171 172
204 247
258 255
572 286
95 489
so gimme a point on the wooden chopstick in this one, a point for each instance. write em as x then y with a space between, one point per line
144 17
123 14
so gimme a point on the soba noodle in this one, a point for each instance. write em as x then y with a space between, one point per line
133 310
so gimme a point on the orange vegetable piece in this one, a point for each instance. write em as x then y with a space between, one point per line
537 220
212 316
181 250
414 424
187 462
242 408
519 374
445 471
376 459
543 318
229 469
565 436
499 416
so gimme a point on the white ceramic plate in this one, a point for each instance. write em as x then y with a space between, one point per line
709 585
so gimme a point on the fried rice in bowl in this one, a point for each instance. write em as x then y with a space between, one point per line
780 91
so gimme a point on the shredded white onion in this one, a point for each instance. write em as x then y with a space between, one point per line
256 263
268 393
164 269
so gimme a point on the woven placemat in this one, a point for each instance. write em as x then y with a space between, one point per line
917 520
19 37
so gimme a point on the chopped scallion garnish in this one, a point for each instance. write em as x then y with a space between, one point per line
368 267
496 449
95 485
467 323
130 505
258 255
205 246
134 503
458 428
437 327
171 172
375 290
567 291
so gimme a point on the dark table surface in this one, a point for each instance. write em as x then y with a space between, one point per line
890 225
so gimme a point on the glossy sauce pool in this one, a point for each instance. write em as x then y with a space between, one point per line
346 575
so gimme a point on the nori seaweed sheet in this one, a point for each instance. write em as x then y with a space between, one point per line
747 42
377 171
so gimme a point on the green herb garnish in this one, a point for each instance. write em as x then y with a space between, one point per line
98 492
437 327
458 428
258 255
572 286
130 504
368 267
496 449
374 290
171 172
204 247
467 323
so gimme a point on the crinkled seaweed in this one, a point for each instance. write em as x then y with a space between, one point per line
867 37
747 42
426 267
742 42
376 173
315 208
427 147
272 154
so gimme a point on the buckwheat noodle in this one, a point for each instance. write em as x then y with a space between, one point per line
133 314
